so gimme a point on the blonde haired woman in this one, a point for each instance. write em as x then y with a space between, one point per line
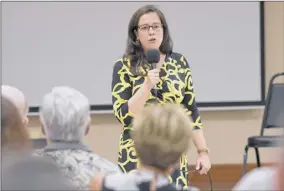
161 134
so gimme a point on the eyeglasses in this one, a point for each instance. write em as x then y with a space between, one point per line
146 27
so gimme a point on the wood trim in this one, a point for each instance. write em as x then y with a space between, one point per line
222 173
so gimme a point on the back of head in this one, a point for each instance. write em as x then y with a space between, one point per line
161 134
13 132
17 97
32 173
64 114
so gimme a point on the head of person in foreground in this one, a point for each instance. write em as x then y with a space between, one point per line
161 134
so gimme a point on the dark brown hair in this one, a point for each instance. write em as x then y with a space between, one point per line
134 50
14 134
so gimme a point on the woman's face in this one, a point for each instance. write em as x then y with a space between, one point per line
150 31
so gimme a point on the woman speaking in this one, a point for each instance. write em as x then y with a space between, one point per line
134 81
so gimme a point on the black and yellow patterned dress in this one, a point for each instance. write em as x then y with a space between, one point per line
175 86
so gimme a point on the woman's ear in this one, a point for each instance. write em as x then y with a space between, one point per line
136 35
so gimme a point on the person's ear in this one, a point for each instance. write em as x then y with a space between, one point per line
42 128
136 35
25 121
88 126
87 130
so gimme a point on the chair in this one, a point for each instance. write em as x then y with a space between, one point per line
39 143
273 117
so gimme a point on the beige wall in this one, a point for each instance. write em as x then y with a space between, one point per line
226 131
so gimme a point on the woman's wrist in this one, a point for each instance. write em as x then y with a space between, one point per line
147 85
203 151
199 141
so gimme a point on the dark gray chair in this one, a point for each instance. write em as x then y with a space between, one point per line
39 143
273 117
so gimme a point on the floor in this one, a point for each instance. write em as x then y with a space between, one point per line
224 177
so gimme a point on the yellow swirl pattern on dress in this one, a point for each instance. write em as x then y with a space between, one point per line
188 78
117 89
184 171
178 82
172 83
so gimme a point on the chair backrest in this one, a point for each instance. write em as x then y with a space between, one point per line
274 108
39 143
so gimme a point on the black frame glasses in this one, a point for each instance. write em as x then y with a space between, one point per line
146 27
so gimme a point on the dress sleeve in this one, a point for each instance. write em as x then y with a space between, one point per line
189 97
121 93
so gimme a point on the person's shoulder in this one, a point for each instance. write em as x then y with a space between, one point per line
257 179
177 56
180 58
120 181
114 181
103 164
122 62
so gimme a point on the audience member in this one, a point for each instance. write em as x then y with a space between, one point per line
264 178
19 169
65 119
257 179
14 135
18 99
161 134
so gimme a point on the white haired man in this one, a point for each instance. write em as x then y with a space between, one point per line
65 120
17 97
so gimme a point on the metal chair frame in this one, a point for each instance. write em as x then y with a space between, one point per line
263 126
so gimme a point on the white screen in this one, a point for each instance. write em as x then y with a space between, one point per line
48 44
